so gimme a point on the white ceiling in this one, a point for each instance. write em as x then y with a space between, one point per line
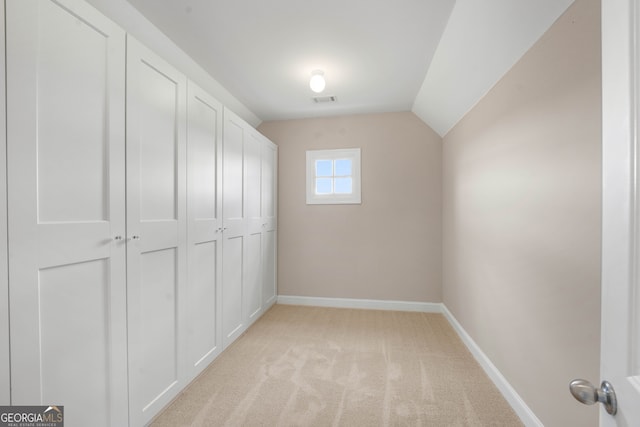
435 57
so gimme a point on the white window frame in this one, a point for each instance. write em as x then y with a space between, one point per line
352 154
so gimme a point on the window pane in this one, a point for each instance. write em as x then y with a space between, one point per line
324 168
343 186
333 176
323 186
343 167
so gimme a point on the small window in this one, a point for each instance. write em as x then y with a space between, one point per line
333 176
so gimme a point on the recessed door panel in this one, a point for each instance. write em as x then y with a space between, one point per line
158 316
158 117
269 267
232 287
72 178
74 321
269 177
203 302
203 155
253 297
233 170
253 164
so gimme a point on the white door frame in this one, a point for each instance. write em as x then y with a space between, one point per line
5 378
621 228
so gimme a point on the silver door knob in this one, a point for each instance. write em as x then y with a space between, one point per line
117 238
587 393
135 237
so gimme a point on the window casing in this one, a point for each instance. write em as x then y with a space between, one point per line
333 176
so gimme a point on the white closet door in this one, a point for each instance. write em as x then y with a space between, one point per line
269 221
5 377
204 198
253 284
156 230
65 97
233 212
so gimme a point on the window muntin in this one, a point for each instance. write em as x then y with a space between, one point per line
333 176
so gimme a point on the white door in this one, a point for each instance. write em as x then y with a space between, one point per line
65 97
253 284
620 355
233 212
269 221
204 229
5 381
156 230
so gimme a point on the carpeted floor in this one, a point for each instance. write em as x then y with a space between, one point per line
310 366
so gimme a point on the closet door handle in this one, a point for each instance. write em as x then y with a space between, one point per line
135 237
587 393
117 238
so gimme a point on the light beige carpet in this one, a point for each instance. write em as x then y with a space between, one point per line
309 366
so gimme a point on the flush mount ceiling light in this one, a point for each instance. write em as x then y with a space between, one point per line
317 82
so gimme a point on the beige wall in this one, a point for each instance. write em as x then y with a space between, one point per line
521 209
387 248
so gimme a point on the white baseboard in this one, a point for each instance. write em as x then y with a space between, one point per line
424 307
511 396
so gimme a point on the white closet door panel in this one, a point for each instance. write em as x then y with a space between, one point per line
65 148
233 169
205 338
158 315
253 202
234 223
5 377
204 292
269 182
269 221
70 152
80 329
253 164
253 294
204 143
156 230
158 117
233 272
269 270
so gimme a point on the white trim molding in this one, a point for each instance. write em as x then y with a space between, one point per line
425 307
508 392
512 397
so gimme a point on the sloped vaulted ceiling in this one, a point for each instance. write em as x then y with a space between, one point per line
481 42
436 58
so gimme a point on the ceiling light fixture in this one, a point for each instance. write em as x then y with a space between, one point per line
317 83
